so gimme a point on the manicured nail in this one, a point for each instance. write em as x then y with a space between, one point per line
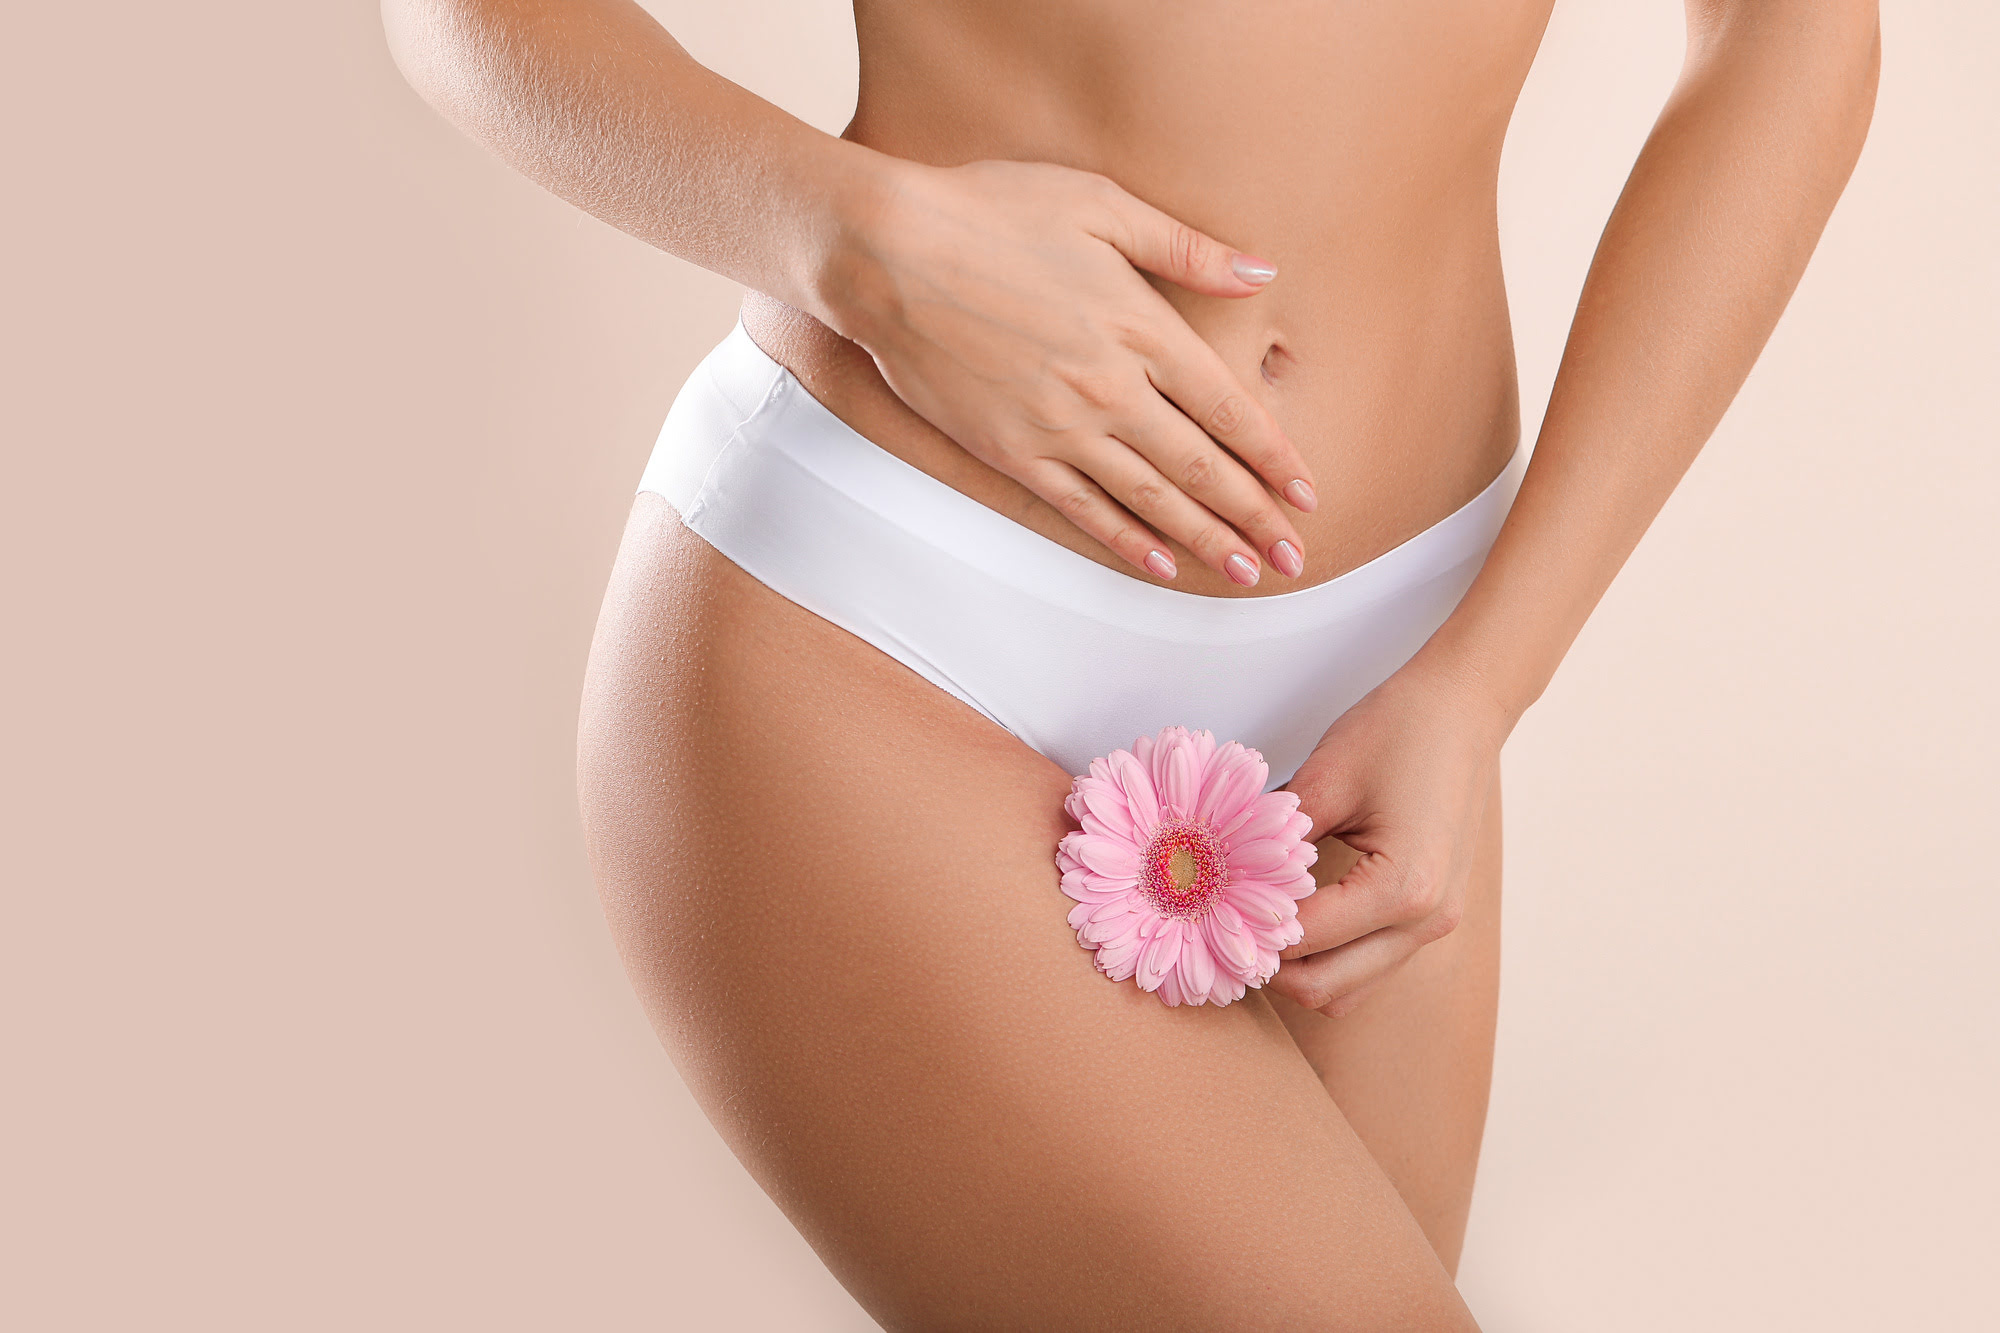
1286 557
1300 492
1253 270
1243 571
1161 564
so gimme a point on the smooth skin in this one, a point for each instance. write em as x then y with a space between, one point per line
833 884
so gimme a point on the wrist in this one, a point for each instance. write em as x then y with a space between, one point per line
1488 699
846 284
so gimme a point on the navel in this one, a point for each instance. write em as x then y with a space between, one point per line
1277 363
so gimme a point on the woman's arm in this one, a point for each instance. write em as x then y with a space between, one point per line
1700 256
596 102
1707 242
1021 271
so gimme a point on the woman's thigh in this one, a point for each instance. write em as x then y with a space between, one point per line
1412 1067
834 888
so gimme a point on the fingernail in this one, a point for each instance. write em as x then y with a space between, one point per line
1253 270
1300 492
1242 570
1161 564
1286 557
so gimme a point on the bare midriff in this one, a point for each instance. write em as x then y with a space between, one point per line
1354 145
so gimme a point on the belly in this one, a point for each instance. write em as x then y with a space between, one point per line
1356 146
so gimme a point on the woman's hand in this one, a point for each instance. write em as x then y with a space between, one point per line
1001 301
1402 777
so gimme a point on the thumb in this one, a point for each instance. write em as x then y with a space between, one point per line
1183 256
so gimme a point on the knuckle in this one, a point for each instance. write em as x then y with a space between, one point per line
1228 415
1123 539
1416 898
1312 994
1444 920
1135 332
1050 408
1148 497
1187 246
1074 502
1213 543
1093 387
1101 186
1200 473
1134 544
1109 207
1261 525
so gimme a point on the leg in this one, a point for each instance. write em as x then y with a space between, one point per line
834 888
1411 1068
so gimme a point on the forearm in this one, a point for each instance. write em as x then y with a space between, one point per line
1705 247
595 101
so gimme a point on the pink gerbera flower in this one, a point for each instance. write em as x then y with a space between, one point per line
1186 873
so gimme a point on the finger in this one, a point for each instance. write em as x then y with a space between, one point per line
1177 252
1195 378
1329 788
1357 997
1131 480
1375 894
1200 468
1083 502
1327 979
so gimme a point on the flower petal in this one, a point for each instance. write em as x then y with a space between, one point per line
1087 886
1197 966
1259 857
1276 938
1225 758
1259 902
1234 788
1178 791
1304 886
1104 802
1110 909
1163 745
1110 931
1229 940
1201 750
1140 794
1258 810
1161 952
1112 857
1264 819
1119 958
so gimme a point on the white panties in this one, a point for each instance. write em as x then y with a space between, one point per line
1073 657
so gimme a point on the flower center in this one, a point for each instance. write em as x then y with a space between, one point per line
1183 868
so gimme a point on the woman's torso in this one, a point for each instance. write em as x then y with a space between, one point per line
1354 145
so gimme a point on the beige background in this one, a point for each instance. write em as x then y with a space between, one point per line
320 429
